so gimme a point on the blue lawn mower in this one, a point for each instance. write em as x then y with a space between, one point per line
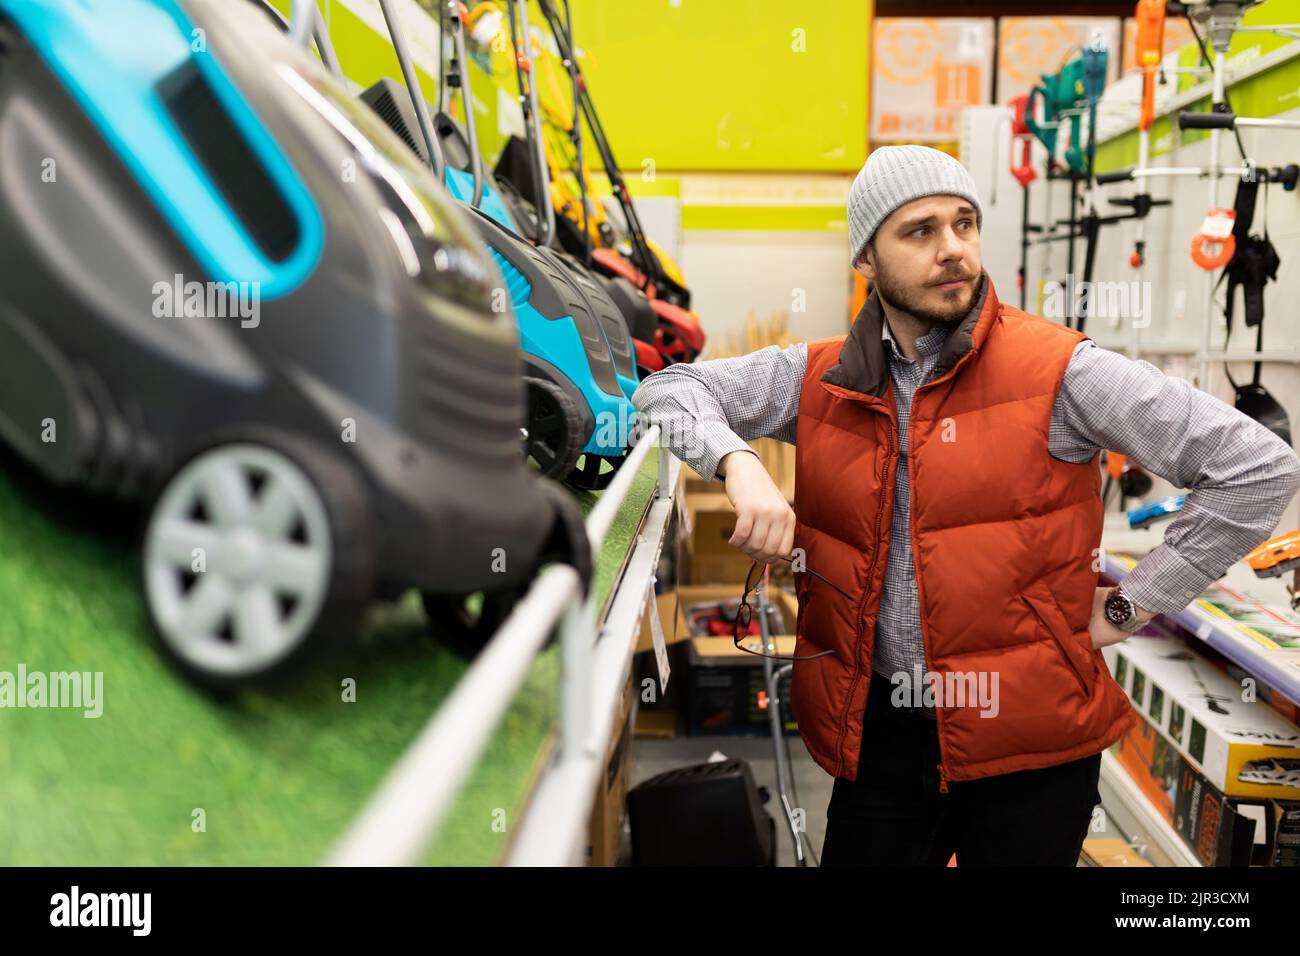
298 378
579 363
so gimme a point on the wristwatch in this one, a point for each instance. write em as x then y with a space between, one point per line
1121 611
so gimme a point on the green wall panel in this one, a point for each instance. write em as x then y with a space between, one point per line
715 84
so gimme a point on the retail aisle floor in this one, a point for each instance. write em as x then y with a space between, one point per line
813 785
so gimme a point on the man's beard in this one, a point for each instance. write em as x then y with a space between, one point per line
908 301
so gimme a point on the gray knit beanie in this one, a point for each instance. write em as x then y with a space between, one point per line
895 175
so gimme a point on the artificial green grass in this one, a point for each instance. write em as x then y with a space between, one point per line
278 776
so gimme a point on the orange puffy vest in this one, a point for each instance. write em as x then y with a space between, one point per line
1003 539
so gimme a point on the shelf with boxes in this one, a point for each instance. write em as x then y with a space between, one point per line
1210 774
1223 771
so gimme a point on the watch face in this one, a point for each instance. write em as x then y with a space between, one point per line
1119 610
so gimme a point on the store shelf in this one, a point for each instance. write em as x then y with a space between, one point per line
1126 806
1129 810
1228 638
596 637
279 775
554 829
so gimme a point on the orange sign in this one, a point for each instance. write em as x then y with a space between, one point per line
1031 46
925 71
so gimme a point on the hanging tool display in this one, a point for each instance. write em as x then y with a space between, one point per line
1047 109
1089 84
1253 264
1022 170
1066 98
1055 96
1220 18
1149 45
1249 261
1148 51
1052 100
1082 158
1070 97
1224 239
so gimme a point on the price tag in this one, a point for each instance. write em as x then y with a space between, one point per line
972 43
657 637
1218 224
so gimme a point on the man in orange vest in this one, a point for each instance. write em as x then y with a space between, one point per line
946 528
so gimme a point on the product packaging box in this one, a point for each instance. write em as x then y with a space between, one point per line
1283 837
1220 831
610 807
707 557
1242 748
727 693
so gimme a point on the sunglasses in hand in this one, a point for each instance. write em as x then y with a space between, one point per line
745 612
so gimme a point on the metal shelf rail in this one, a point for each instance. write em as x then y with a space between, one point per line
401 819
554 827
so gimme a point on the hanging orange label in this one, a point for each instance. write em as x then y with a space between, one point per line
1214 244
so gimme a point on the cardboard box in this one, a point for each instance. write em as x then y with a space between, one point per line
1221 832
733 700
729 569
655 724
726 691
672 610
610 806
1286 708
710 523
1111 851
706 555
1283 837
1234 744
689 594
692 482
670 712
659 711
1153 764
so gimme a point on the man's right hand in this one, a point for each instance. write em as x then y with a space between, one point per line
764 519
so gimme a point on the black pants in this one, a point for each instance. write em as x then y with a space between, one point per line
894 814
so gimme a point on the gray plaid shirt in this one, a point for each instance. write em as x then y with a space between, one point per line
1241 475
